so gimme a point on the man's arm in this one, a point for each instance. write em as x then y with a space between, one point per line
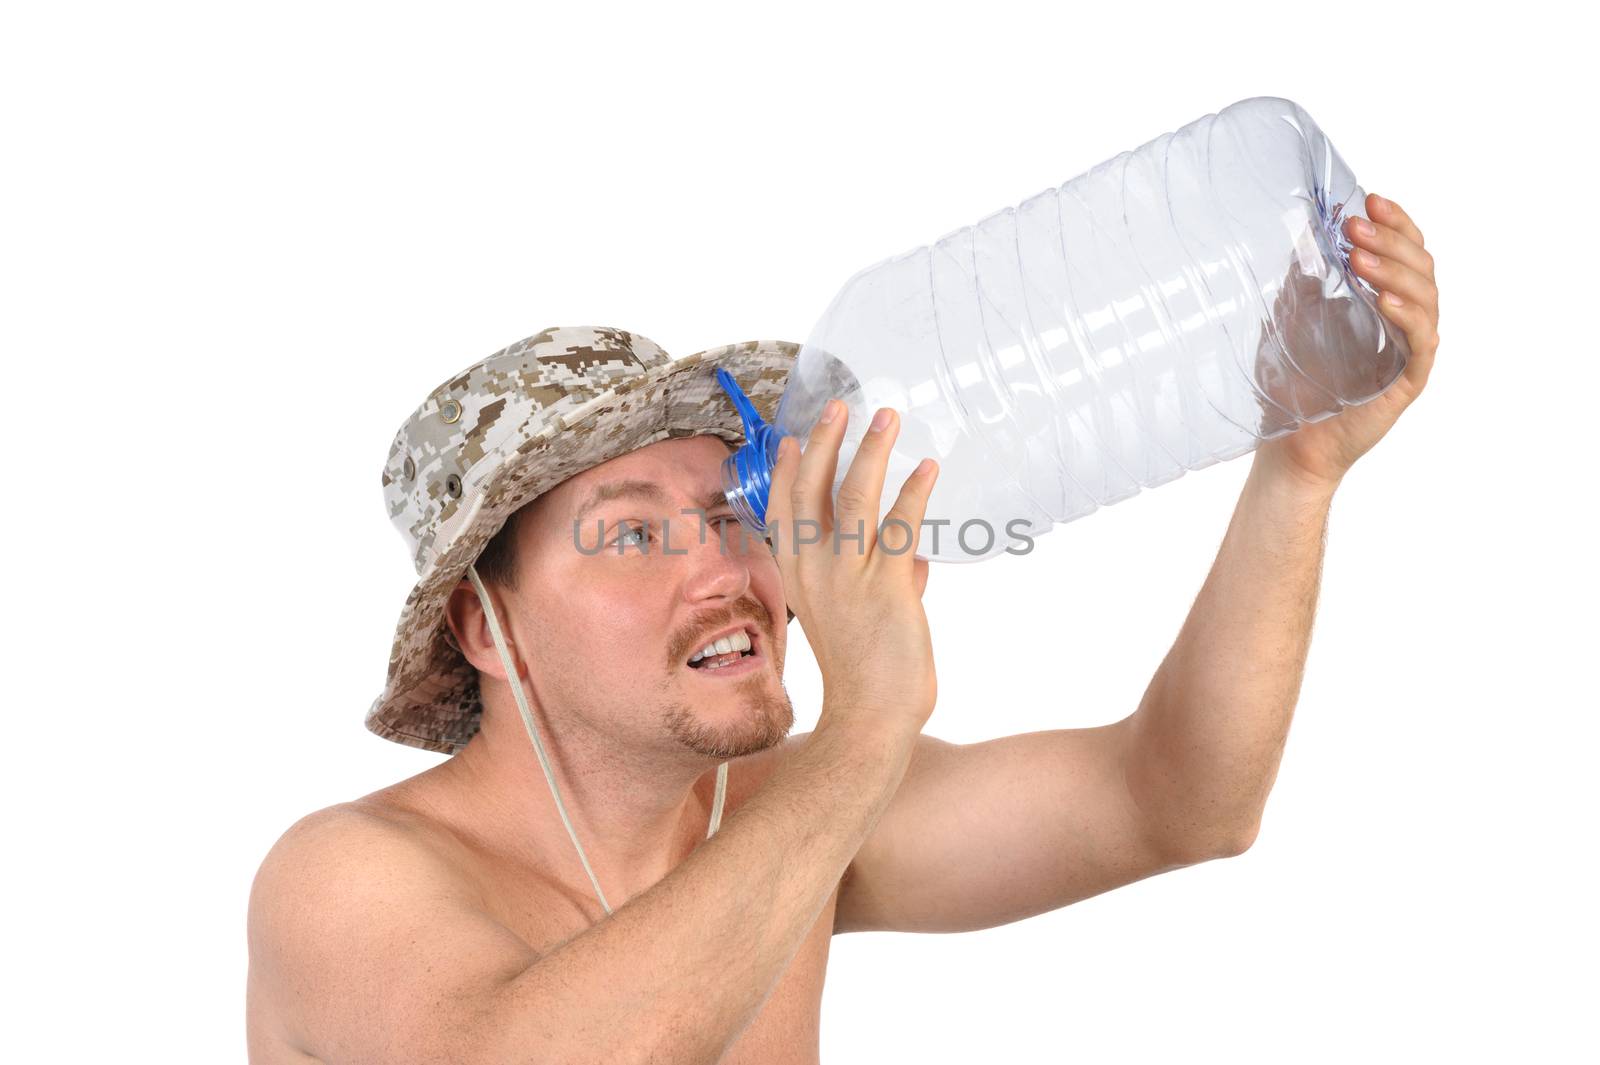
377 951
984 834
1207 738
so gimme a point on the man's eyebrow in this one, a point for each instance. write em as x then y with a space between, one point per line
641 490
617 490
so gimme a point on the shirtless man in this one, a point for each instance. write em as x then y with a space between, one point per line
474 913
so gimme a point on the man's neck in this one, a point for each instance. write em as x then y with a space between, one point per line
635 821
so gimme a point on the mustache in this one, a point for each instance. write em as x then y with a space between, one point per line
747 607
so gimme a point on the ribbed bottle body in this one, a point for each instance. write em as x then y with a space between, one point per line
1170 308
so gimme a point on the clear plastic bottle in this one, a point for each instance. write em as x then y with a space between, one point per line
1170 308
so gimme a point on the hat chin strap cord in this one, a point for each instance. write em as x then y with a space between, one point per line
538 744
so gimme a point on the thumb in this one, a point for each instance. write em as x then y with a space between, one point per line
919 572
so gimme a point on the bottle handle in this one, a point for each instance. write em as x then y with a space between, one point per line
747 473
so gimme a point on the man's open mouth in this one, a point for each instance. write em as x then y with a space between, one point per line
736 650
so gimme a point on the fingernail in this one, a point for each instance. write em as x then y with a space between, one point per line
1363 227
880 420
830 410
1393 300
1381 201
924 468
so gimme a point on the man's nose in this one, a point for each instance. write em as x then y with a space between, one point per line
715 570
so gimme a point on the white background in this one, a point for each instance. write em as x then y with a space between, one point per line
241 243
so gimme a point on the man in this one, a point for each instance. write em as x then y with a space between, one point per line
669 891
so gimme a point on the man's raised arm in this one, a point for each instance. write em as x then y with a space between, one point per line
1209 733
1206 740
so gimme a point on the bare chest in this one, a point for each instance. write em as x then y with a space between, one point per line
786 1029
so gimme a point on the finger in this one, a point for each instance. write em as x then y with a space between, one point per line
1390 275
861 491
1391 214
779 519
1390 243
1422 336
902 525
813 484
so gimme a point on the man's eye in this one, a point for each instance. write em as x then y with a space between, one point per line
730 533
632 532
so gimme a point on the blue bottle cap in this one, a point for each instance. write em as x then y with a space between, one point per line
747 473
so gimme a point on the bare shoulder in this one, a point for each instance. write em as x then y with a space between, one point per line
350 900
314 858
328 871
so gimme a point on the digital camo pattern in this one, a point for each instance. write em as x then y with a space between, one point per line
506 429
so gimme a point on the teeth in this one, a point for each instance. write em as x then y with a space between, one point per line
739 641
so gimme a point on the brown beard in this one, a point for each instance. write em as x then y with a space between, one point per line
766 720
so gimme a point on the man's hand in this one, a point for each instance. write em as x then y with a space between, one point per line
1392 259
858 596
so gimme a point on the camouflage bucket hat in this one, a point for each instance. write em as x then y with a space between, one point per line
501 432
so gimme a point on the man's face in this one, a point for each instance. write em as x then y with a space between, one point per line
616 593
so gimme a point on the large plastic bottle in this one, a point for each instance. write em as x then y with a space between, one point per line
1170 308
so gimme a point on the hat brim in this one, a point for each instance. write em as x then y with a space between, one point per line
431 698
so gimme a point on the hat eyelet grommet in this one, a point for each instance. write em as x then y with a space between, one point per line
450 411
410 468
452 484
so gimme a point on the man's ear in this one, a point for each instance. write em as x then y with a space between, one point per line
463 612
